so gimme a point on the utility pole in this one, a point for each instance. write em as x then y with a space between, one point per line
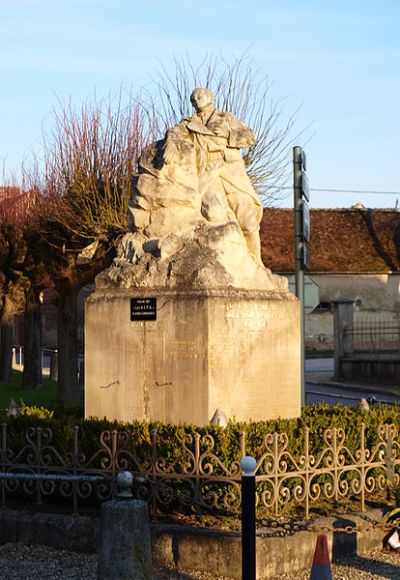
301 239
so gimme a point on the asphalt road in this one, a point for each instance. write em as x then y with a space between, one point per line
320 387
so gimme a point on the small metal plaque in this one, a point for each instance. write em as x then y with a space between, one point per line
143 308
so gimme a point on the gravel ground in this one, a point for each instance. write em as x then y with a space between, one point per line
20 562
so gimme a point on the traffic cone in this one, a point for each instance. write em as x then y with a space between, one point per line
321 566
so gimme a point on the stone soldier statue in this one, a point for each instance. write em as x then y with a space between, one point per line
217 138
194 215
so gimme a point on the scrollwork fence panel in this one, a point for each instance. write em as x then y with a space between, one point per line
194 477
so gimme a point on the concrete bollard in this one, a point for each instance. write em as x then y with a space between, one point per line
125 544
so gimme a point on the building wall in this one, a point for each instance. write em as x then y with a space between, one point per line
376 297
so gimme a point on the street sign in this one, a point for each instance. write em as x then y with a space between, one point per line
303 160
301 239
306 256
304 186
311 292
306 221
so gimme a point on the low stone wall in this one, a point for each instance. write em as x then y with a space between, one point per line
215 551
384 370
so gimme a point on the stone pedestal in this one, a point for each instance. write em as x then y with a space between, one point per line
125 543
233 350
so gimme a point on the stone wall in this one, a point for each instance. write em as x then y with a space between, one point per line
376 297
279 549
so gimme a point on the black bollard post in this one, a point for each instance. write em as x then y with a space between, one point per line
248 465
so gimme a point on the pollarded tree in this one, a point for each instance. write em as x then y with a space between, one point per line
90 158
10 256
23 278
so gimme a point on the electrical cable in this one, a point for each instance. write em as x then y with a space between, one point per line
327 190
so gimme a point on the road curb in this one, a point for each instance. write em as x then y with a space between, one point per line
373 389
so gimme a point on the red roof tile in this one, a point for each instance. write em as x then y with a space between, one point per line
342 240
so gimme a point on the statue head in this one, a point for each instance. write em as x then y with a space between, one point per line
202 99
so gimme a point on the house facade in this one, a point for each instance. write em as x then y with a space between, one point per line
355 255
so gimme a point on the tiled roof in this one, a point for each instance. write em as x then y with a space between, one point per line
7 192
342 240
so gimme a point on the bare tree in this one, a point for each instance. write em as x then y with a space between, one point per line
90 157
21 274
9 260
242 90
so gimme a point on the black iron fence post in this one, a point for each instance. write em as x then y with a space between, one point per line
248 465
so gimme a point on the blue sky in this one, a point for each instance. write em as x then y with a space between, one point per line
339 61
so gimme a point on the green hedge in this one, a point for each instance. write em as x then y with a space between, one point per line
136 439
227 440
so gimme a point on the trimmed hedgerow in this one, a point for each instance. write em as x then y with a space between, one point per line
227 440
98 441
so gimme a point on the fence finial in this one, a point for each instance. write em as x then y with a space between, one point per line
248 465
124 484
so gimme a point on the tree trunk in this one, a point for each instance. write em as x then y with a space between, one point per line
68 390
32 374
54 366
6 341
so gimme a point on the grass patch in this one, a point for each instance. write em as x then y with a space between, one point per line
43 397
319 353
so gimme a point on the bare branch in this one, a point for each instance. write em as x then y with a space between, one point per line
90 157
240 89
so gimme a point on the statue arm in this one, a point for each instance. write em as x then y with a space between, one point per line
239 135
179 132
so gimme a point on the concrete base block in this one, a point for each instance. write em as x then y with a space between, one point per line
207 550
237 351
125 545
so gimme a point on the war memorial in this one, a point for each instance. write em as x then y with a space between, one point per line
188 321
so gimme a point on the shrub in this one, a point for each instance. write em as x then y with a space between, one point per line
178 449
137 436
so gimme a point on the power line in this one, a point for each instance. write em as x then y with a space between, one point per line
356 191
362 191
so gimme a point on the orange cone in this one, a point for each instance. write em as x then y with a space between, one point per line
321 566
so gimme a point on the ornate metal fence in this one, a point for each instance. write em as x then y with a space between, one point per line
372 337
195 477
